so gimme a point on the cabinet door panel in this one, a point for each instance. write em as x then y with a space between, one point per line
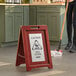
42 18
32 15
26 15
53 26
9 23
18 21
52 21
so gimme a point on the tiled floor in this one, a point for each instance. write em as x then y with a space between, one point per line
62 66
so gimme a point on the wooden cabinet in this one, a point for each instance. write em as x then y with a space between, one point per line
12 19
52 16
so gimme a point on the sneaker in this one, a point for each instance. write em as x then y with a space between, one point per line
69 45
73 49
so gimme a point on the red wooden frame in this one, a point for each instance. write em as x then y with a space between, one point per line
24 51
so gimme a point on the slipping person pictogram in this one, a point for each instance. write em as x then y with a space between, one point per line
36 46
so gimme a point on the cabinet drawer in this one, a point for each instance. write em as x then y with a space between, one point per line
53 8
48 9
41 8
14 8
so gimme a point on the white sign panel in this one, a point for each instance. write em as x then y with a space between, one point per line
36 45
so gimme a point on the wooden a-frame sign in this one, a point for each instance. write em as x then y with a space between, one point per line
33 47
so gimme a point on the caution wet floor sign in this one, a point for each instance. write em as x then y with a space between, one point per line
37 50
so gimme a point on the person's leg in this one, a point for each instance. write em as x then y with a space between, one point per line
69 25
73 49
74 24
74 38
69 22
